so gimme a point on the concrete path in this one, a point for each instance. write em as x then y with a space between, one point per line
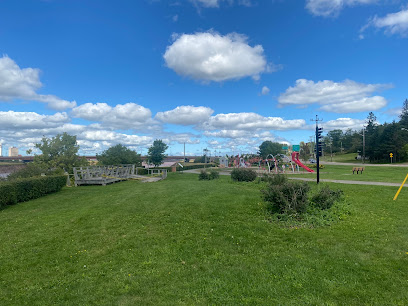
363 165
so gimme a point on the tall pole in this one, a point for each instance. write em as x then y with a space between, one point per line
317 148
363 145
317 153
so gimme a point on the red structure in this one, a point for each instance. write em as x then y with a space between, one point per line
295 158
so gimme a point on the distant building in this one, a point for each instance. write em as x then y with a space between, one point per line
13 151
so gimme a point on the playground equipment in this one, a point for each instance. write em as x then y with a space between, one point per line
295 158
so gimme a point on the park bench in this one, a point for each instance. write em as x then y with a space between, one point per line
361 169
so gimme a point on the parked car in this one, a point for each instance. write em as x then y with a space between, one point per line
312 161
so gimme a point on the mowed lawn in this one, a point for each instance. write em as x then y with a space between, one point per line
184 241
370 173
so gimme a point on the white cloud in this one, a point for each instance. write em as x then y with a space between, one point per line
216 3
344 124
17 83
175 18
327 8
185 115
265 91
250 122
210 56
122 116
346 96
394 23
29 120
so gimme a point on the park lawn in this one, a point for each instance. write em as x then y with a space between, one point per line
341 158
184 241
370 173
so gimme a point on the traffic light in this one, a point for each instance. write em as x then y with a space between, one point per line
319 144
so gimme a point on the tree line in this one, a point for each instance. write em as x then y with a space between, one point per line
380 139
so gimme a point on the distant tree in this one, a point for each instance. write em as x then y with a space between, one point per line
404 114
304 151
119 154
156 152
336 137
59 152
269 147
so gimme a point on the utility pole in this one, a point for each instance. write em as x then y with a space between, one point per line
363 145
318 147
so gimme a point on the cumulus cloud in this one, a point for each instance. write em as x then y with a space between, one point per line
342 97
330 8
394 23
250 122
344 124
265 91
121 116
185 115
17 83
29 120
210 56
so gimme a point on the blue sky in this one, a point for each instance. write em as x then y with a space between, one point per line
218 74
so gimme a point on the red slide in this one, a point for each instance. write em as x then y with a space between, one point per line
295 158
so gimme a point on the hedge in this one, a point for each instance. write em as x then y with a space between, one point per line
21 190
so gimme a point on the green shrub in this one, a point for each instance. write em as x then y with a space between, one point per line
203 175
288 198
325 197
21 190
315 166
243 175
214 174
274 179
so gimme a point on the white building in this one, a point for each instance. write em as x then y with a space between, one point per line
13 151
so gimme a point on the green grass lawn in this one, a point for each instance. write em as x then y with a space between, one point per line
370 173
341 158
184 241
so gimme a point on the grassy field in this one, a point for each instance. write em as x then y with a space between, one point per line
341 158
184 241
370 174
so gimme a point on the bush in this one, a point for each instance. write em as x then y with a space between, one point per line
204 175
21 190
274 179
287 198
214 174
325 197
315 166
243 175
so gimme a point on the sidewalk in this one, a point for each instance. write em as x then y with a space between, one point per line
348 182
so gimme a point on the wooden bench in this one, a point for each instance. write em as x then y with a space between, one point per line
361 169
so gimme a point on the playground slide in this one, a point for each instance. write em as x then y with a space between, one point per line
295 158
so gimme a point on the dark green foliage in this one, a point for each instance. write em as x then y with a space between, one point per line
21 190
31 170
243 175
269 147
59 152
214 174
325 197
118 155
156 152
274 179
204 175
289 198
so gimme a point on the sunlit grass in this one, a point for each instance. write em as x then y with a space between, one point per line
184 241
